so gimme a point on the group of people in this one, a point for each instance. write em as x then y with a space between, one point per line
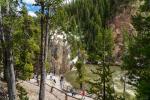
82 93
52 78
72 91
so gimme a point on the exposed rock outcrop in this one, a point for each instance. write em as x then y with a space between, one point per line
60 52
121 25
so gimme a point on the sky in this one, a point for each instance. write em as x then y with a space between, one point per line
32 9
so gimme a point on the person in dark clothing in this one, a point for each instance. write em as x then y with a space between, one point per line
54 81
61 78
71 91
61 82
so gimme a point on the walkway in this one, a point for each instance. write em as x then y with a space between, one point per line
57 94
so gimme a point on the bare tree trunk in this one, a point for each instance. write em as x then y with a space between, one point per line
0 36
46 38
42 61
10 70
124 87
104 69
10 67
46 41
5 70
2 39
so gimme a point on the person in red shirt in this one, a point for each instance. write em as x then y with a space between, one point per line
83 92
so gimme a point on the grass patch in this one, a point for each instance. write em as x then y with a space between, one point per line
72 76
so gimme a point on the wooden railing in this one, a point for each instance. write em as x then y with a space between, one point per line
66 96
77 92
65 91
62 94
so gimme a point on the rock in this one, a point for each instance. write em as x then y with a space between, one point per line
60 52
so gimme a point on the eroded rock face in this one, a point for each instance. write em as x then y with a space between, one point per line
60 52
121 25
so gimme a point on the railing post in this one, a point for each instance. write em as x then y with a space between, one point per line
52 89
66 98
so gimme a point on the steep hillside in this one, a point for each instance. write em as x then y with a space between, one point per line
121 25
93 17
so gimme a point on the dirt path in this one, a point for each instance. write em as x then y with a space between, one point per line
33 90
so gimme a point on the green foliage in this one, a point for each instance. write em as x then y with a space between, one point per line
24 70
81 70
137 59
2 2
79 13
47 65
26 44
60 19
146 6
95 37
108 45
143 90
22 93
28 71
86 24
103 77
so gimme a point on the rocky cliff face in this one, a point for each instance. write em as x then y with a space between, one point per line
121 25
60 52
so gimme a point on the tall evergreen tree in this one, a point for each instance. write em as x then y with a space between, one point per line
98 41
7 39
137 58
43 4
26 45
82 11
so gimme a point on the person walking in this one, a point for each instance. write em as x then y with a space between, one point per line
61 82
72 91
83 94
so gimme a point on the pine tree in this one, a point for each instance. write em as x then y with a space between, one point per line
92 17
43 4
102 86
81 71
137 57
24 47
7 40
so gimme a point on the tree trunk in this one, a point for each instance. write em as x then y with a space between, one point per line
104 71
3 46
46 38
5 62
4 53
124 87
42 61
10 67
0 22
81 86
